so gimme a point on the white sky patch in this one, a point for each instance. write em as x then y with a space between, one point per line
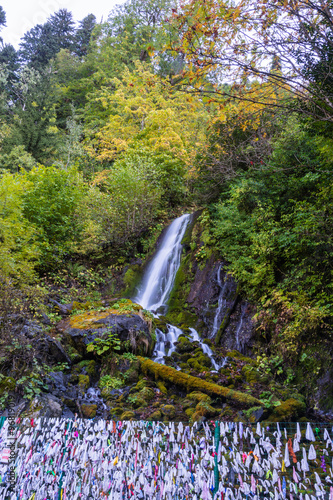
22 15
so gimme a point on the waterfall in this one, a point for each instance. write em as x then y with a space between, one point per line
155 288
239 327
160 274
220 304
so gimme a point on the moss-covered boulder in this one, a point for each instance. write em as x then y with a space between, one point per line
147 394
168 411
253 376
199 396
206 410
127 415
137 401
84 383
240 357
162 387
156 415
89 411
189 412
125 319
289 410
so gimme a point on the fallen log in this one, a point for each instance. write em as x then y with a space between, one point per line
193 383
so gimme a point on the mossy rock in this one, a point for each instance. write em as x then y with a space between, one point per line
195 365
255 414
204 360
7 384
84 383
206 410
197 417
132 375
185 346
253 376
116 410
199 396
137 401
143 383
131 279
89 411
162 387
289 410
189 412
86 306
187 403
147 394
127 415
227 412
156 415
74 355
168 411
88 365
237 355
106 392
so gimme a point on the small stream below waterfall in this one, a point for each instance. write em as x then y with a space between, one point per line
155 288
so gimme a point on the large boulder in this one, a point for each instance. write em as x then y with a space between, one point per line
82 329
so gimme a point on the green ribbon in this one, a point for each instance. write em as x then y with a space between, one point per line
2 421
216 469
60 486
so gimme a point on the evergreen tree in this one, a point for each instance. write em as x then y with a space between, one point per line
2 20
43 42
83 35
9 60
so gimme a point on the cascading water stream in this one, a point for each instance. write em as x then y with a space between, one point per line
220 304
239 327
156 286
160 274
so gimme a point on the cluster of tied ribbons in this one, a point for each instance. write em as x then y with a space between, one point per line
57 459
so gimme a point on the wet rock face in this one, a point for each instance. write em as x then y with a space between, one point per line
225 317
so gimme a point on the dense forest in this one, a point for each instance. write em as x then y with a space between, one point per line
109 131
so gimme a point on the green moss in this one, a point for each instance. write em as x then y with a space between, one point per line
156 415
7 384
168 411
237 355
75 357
199 396
84 383
137 401
117 410
131 279
89 411
195 384
206 410
205 361
147 394
253 376
189 412
127 415
195 365
289 410
162 387
91 367
88 320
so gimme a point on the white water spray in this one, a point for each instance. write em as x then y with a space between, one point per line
160 274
